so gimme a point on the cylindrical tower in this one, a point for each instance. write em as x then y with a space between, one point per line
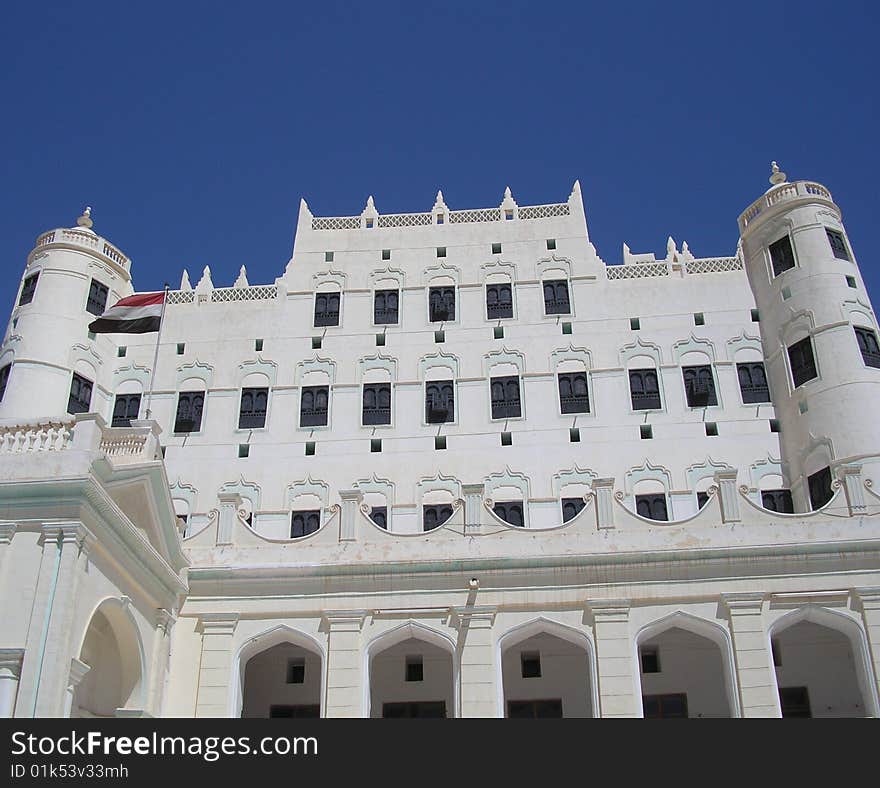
819 334
51 363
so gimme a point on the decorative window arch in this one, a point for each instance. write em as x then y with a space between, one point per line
306 495
387 279
385 366
693 346
258 366
553 267
377 492
745 348
183 498
508 486
572 488
640 349
85 360
499 285
649 480
250 497
310 372
132 373
195 370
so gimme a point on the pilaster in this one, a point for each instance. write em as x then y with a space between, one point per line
728 495
344 693
850 477
603 495
614 658
230 503
159 662
217 630
77 672
10 674
351 501
478 677
868 599
473 508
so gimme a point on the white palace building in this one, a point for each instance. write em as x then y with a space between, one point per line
450 464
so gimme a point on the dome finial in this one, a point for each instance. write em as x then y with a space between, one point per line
777 176
86 219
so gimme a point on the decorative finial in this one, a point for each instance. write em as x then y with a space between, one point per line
370 204
506 192
777 175
439 195
85 220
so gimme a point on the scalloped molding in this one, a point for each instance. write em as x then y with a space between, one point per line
647 472
699 471
833 216
377 361
258 365
329 278
441 269
571 353
856 306
195 369
248 490
101 267
574 475
382 487
131 372
316 364
640 348
693 344
507 478
388 273
86 354
309 486
439 360
547 265
800 324
758 470
439 482
184 492
499 268
744 342
814 444
504 356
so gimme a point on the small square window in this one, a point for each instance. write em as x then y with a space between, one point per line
441 218
574 435
369 223
711 428
851 282
566 328
386 254
441 251
92 335
786 293
635 324
551 244
496 248
802 406
310 448
439 442
380 339
316 343
699 319
181 346
506 439
243 450
650 660
296 671
645 431
258 345
498 332
531 664
439 336
508 215
121 351
328 257
415 669
375 444
774 425
756 317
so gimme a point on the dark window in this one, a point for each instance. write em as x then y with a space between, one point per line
510 511
699 319
499 301
4 379
327 309
803 365
838 245
181 346
415 669
646 432
702 499
795 702
672 706
379 515
303 523
644 389
635 324
505 397
781 255
566 328
530 662
80 395
385 305
650 660
295 711
414 709
310 448
534 709
434 516
441 302
244 450
375 444
867 340
551 244
851 282
753 382
27 289
439 336
556 300
313 406
386 254
377 403
777 501
699 386
820 487
507 439
252 411
125 408
652 506
316 343
439 401
573 394
496 248
571 507
189 411
296 671
258 344
328 257
97 298
574 435
439 442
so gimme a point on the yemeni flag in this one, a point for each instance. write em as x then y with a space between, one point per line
136 314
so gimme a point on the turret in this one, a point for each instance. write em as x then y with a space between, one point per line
819 335
48 354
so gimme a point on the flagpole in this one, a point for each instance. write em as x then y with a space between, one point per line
156 355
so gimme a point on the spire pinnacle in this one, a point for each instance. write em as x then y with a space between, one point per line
776 176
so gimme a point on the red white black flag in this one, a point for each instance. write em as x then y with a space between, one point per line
136 314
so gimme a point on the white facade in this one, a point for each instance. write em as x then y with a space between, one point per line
158 567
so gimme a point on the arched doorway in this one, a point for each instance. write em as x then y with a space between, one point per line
547 671
412 674
112 650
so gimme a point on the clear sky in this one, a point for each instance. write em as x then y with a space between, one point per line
193 129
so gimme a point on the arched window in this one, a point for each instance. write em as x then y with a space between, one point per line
652 507
510 511
644 389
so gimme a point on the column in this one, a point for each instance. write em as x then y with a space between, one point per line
603 498
230 503
473 508
477 672
728 496
351 501
754 663
614 659
344 695
159 662
850 477
869 600
216 664
78 670
10 673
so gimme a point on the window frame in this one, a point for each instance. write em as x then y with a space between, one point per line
294 512
438 507
568 290
456 307
794 261
5 375
128 397
777 492
655 497
506 378
385 291
578 502
791 376
390 422
522 512
241 393
318 294
512 315
310 427
83 379
432 382
714 388
739 384
33 276
190 392
656 371
562 412
873 335
93 281
846 250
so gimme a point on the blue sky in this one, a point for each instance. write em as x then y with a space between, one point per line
193 129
